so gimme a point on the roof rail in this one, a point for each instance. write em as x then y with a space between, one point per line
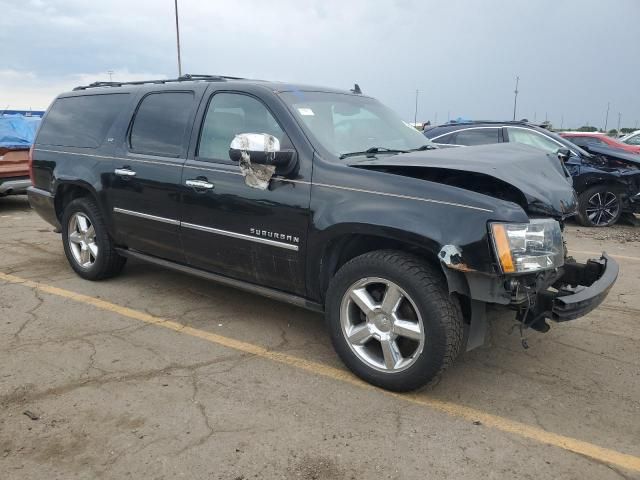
184 78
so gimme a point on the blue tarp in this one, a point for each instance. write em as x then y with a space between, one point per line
17 131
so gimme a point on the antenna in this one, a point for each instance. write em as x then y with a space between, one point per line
356 89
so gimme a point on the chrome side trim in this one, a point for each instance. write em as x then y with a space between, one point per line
146 216
407 197
217 170
107 157
266 241
249 287
202 228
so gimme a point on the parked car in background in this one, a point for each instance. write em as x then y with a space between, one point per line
14 172
17 132
606 180
632 138
586 140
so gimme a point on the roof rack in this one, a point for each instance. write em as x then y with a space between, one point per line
184 78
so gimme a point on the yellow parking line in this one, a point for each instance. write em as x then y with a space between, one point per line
614 255
536 434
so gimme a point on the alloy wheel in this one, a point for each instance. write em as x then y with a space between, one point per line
602 208
82 240
382 324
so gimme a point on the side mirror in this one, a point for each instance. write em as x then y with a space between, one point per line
261 148
564 154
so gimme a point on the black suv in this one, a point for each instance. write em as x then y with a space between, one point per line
318 197
607 181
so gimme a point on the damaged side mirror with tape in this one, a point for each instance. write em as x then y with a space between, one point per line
260 157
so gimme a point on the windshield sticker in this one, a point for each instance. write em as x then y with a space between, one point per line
307 112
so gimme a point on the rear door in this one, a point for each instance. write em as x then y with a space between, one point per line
144 186
229 228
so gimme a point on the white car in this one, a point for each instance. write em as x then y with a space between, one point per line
632 138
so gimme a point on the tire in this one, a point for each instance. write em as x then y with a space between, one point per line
599 206
91 254
427 323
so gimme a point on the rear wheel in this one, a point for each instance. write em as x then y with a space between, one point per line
599 206
392 321
87 245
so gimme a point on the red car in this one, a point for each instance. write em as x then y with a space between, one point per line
584 139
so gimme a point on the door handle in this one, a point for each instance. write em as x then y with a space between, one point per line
200 184
124 172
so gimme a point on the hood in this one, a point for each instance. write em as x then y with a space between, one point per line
537 181
616 157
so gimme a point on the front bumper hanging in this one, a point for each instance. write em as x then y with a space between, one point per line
582 287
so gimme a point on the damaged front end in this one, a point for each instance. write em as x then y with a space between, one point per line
561 293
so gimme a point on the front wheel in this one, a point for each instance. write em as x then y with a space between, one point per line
599 206
392 320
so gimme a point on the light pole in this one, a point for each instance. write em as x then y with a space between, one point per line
515 98
619 117
606 119
110 72
415 114
178 39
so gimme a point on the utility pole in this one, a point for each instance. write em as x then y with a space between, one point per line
561 121
515 98
415 114
178 39
110 72
606 119
619 117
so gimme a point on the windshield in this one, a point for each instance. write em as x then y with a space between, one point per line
345 123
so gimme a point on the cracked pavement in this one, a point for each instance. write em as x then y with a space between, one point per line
118 398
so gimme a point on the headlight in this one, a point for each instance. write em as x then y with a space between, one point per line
528 247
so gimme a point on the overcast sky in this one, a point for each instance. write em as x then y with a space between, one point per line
572 56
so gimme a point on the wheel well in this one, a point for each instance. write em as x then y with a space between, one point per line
343 249
616 186
66 193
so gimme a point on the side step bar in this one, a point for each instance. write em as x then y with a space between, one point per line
249 287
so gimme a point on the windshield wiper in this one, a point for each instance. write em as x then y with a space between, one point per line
372 151
423 148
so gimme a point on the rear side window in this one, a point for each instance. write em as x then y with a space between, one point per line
82 121
479 136
444 139
160 123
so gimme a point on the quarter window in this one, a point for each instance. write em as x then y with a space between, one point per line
478 136
161 122
530 137
81 121
230 114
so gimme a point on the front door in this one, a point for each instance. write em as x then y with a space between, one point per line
228 227
145 183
